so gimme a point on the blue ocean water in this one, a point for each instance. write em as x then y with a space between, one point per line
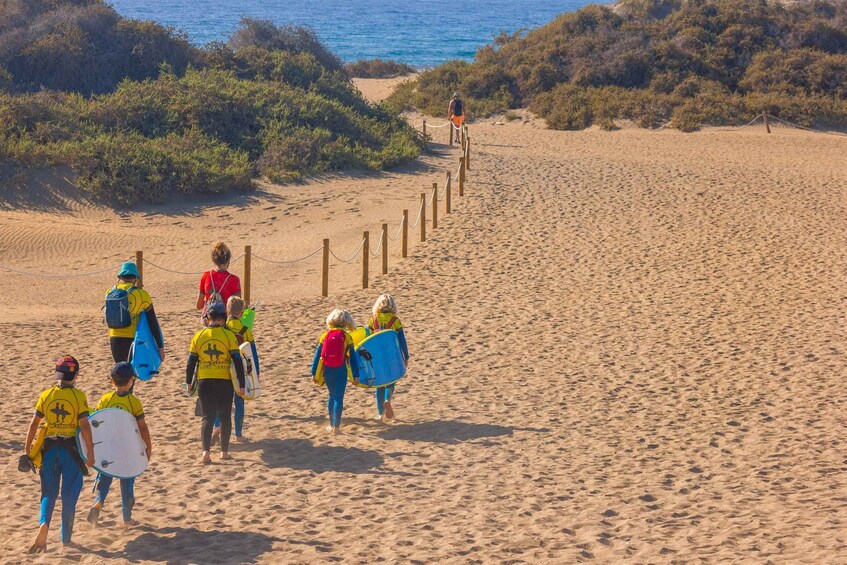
423 33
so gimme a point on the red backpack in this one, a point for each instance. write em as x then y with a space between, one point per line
334 352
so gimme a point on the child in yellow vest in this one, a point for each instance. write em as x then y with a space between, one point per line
63 410
235 308
334 361
122 398
384 317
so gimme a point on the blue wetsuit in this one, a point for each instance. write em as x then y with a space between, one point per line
59 467
336 383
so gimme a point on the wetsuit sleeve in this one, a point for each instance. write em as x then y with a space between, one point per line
155 327
193 358
255 356
316 359
239 367
354 362
401 337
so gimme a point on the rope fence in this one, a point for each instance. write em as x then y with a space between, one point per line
364 248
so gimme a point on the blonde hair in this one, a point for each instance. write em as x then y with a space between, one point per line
339 318
221 254
235 306
385 304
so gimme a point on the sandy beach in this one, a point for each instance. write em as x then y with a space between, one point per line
626 346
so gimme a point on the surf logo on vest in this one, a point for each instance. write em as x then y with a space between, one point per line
214 354
61 415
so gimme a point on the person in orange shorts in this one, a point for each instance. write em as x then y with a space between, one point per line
456 114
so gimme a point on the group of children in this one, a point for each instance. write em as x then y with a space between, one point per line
334 376
62 410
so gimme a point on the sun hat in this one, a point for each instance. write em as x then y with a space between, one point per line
129 269
456 94
67 368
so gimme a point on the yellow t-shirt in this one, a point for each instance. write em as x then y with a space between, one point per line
234 325
212 346
62 409
139 300
383 318
128 402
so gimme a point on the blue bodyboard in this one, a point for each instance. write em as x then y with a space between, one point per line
145 353
386 365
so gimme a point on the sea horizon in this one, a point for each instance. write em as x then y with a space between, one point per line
421 34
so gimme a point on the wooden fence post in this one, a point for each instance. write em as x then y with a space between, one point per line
424 129
384 249
447 191
248 257
434 205
767 123
405 242
423 216
450 129
461 176
325 270
139 262
468 153
366 252
462 132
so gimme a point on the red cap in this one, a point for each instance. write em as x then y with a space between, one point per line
67 368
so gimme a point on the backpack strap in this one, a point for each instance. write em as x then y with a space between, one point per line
391 322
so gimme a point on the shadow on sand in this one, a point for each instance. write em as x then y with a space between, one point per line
183 546
450 432
301 455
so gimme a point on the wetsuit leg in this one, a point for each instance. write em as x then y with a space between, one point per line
104 484
223 397
238 414
50 474
120 348
206 394
380 399
127 498
336 384
71 487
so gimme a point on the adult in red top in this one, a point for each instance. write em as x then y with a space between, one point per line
219 279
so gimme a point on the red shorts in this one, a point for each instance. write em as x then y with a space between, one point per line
458 121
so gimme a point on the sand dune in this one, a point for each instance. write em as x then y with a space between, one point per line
627 347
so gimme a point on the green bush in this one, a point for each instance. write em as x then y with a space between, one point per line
686 63
377 68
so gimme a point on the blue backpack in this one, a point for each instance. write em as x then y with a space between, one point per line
118 315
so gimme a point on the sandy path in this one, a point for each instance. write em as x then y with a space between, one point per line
627 346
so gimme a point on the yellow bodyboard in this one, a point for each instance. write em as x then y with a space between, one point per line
37 444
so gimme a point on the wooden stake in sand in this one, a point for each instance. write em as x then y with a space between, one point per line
450 130
366 252
325 270
447 195
139 262
405 242
767 123
468 153
461 176
384 249
434 205
423 217
424 130
248 256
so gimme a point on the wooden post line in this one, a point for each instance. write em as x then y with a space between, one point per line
139 262
447 191
325 270
434 205
423 217
405 242
248 257
384 249
366 252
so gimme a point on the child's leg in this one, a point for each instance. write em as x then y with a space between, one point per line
223 400
127 498
339 385
218 422
104 484
380 399
71 487
330 400
389 394
50 479
239 414
206 394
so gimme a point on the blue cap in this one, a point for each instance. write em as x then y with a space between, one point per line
216 308
129 269
122 369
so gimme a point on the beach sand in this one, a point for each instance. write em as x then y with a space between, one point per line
626 346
